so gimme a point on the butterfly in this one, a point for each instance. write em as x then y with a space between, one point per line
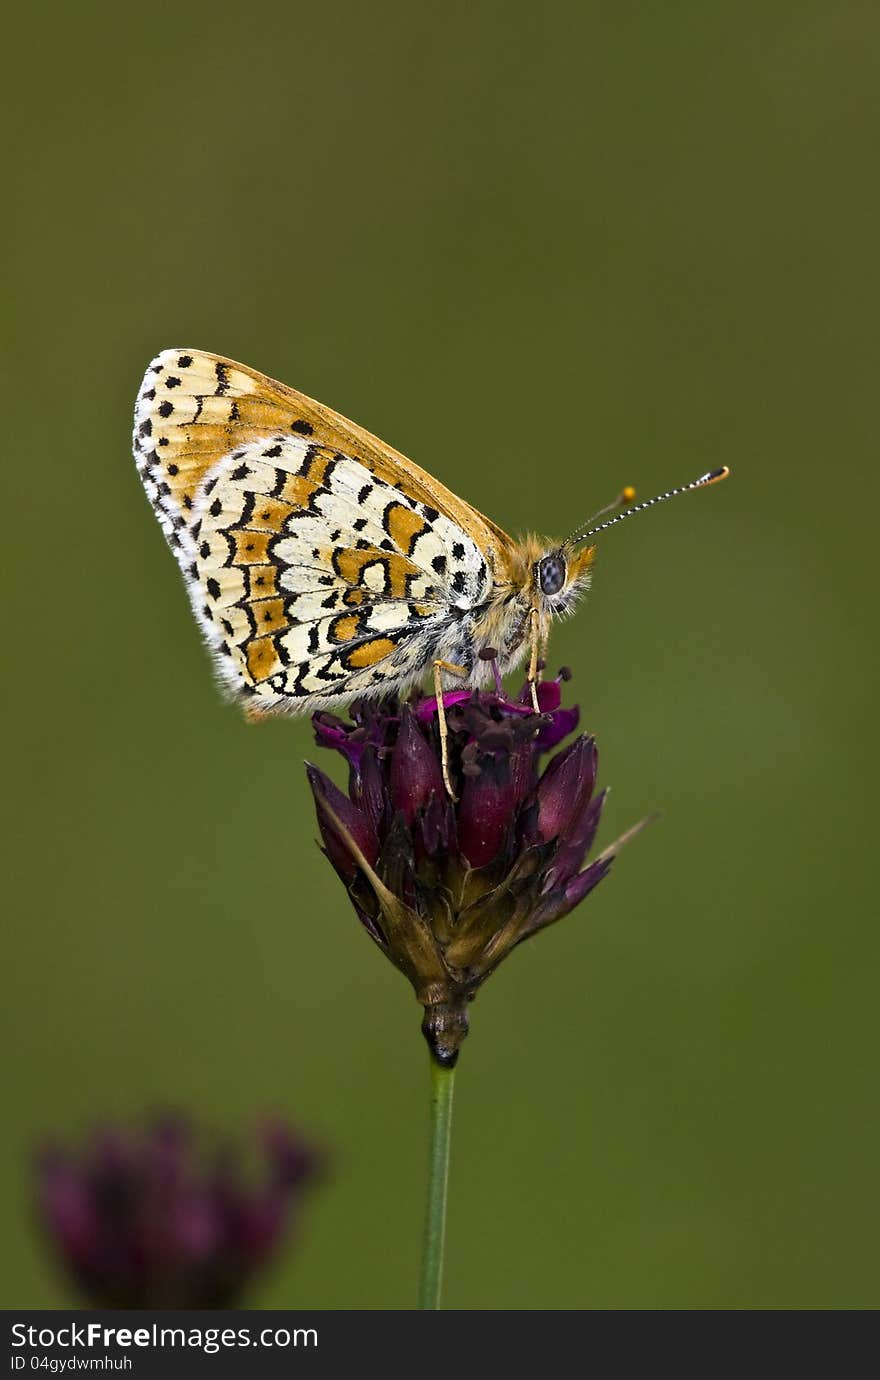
323 565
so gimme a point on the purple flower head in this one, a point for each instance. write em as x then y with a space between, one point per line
161 1218
448 887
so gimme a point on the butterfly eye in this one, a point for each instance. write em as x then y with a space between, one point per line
551 574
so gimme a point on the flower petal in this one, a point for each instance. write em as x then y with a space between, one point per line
581 885
289 1159
350 817
331 732
562 723
575 844
370 793
370 726
426 709
435 830
486 810
564 789
415 774
549 695
564 899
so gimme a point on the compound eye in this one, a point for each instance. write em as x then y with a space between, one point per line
551 574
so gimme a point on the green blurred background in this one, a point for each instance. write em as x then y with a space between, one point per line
546 250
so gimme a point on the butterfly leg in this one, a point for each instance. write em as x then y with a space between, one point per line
535 640
439 667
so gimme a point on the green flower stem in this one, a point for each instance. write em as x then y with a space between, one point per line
442 1083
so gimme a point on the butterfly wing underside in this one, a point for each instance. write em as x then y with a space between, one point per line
320 563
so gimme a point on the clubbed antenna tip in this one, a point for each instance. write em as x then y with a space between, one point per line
629 493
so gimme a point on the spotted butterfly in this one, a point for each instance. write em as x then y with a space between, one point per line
321 564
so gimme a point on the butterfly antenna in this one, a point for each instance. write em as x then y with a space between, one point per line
625 496
713 477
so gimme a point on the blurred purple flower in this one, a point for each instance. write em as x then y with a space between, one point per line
447 888
158 1218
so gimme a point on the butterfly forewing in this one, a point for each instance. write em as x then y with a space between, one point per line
319 562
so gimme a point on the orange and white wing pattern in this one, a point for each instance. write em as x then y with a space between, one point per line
320 563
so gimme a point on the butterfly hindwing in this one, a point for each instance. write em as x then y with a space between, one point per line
313 579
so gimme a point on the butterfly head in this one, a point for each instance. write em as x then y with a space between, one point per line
560 576
561 572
